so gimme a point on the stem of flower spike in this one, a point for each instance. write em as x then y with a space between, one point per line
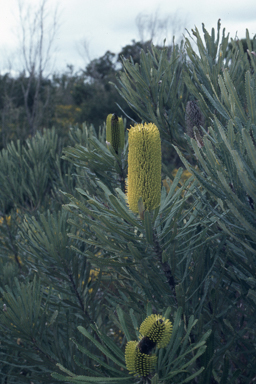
165 266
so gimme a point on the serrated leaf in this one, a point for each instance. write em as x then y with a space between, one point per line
191 377
104 350
233 94
122 322
250 148
250 97
110 344
89 379
148 227
122 211
252 295
155 379
92 356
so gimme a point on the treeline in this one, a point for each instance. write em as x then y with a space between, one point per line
29 104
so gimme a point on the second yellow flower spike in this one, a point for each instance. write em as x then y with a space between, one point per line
115 131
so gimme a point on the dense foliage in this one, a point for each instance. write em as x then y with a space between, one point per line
82 274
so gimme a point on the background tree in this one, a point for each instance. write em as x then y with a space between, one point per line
9 114
36 100
133 50
153 26
37 38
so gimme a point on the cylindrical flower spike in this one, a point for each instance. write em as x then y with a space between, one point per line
157 329
115 131
144 166
138 362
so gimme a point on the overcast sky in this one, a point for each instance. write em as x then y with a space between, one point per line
111 24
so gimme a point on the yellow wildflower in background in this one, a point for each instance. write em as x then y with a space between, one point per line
144 166
185 175
7 218
93 274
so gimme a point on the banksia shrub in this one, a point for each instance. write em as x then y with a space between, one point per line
115 131
144 166
138 363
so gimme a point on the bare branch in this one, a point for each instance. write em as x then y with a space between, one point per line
153 27
83 50
38 30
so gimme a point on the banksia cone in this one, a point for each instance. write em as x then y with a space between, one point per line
194 118
144 166
115 131
157 329
138 362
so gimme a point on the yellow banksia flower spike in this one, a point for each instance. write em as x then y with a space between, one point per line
157 329
144 166
138 363
115 131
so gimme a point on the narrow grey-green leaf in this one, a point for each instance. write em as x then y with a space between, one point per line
148 227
